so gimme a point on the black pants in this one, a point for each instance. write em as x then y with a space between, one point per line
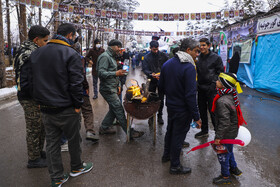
152 88
205 101
177 129
69 123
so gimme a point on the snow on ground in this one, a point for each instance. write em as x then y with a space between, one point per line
6 93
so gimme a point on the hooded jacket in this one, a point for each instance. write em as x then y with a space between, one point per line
57 75
208 69
178 82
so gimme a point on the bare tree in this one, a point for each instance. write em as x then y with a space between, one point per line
22 23
2 57
9 31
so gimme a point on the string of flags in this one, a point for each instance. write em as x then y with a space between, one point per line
140 33
123 15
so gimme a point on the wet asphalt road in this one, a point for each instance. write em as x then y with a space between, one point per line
138 163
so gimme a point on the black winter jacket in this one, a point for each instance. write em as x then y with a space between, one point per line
208 69
152 64
57 75
226 118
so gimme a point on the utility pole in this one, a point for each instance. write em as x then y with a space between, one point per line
2 57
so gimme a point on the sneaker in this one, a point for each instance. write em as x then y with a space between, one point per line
58 183
201 134
64 147
37 163
86 168
221 180
235 171
95 97
136 134
179 170
109 130
160 120
92 136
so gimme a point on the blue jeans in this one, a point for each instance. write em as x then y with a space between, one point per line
94 84
227 160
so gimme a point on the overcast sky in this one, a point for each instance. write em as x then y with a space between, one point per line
173 6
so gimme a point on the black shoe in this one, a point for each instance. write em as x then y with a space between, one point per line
136 134
37 163
179 170
95 97
186 144
43 154
235 171
109 130
160 120
201 134
165 159
221 180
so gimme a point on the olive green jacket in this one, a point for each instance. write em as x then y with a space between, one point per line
106 68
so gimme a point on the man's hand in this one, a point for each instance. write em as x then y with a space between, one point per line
156 75
119 90
217 141
199 122
77 110
87 91
121 73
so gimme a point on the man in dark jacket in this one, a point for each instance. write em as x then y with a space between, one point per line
35 132
151 67
92 57
57 78
178 82
209 66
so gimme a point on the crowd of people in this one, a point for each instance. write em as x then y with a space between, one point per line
53 91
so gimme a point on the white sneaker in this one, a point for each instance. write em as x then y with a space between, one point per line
92 136
64 147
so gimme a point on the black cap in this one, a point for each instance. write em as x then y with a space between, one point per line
96 41
115 42
154 44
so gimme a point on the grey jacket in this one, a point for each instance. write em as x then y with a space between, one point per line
226 118
106 69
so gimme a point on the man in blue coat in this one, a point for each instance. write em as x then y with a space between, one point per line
178 82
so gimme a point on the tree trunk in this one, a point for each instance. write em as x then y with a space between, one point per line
56 21
9 32
22 23
40 16
2 57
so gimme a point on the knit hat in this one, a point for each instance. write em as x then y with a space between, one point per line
154 44
229 80
115 42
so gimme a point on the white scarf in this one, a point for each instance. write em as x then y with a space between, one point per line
185 57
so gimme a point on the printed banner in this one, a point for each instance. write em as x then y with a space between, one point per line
269 25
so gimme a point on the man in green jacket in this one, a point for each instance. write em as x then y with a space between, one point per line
110 89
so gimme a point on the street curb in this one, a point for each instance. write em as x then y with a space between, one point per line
6 93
